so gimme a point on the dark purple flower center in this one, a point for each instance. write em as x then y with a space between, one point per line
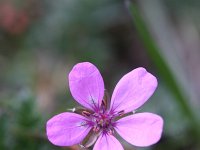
102 122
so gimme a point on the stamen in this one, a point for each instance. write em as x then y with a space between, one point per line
121 113
102 122
96 129
111 132
86 113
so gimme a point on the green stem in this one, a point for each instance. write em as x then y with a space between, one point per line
162 67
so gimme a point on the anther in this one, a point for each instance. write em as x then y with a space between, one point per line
121 113
86 113
96 129
111 132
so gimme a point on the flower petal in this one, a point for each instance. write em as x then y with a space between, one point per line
133 90
67 129
86 85
107 142
141 129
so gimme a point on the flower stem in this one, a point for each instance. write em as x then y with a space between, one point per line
163 68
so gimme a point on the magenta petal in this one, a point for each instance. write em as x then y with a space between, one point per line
107 142
67 129
133 90
86 85
141 129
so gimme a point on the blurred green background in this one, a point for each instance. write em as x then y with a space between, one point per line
41 40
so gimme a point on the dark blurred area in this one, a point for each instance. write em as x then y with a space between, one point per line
41 40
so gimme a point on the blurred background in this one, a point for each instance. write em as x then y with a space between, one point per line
41 40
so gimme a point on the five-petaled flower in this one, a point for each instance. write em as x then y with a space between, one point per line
102 122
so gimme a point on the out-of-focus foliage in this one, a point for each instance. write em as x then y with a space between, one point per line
164 69
41 40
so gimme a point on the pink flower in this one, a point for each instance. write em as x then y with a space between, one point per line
102 122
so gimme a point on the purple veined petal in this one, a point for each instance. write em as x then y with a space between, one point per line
86 85
67 129
133 90
141 129
107 142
